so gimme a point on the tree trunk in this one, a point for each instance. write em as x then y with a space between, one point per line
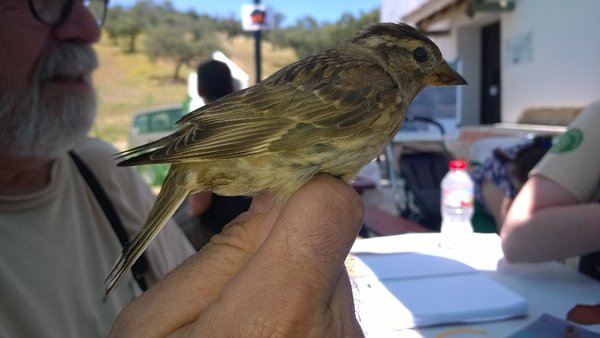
177 68
132 39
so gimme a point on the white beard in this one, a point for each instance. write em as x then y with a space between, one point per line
39 122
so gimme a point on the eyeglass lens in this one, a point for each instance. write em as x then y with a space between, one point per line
97 8
49 11
53 12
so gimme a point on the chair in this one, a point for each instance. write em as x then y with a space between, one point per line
422 173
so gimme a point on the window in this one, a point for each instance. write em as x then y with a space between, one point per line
437 103
142 124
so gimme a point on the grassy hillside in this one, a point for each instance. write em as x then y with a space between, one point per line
128 83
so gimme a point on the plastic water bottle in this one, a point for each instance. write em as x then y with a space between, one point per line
457 204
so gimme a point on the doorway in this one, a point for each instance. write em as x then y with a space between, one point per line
491 89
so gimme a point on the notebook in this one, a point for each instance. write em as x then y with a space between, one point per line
548 326
409 290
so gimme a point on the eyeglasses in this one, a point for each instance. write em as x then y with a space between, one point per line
55 12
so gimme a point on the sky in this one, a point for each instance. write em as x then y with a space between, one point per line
321 10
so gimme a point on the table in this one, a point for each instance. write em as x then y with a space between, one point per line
548 287
360 184
382 223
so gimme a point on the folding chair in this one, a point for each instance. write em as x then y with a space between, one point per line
422 173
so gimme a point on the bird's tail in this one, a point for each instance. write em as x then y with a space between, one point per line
167 202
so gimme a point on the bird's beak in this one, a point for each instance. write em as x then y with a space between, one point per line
444 75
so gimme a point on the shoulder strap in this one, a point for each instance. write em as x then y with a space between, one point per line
140 267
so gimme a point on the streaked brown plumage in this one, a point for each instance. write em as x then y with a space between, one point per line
332 112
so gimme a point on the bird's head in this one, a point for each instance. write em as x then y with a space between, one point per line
411 58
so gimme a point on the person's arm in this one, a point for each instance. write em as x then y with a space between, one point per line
277 270
547 222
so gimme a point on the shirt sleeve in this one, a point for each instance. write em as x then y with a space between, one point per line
574 160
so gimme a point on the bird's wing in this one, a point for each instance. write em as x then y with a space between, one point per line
316 99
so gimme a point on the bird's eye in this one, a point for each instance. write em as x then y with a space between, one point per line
420 54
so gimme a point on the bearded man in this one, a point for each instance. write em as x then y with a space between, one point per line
57 243
62 201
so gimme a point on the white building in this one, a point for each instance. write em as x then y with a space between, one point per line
515 54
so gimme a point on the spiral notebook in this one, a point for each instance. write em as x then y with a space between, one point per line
409 290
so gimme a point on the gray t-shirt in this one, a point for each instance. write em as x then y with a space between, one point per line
57 248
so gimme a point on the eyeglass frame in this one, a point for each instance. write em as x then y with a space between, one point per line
66 10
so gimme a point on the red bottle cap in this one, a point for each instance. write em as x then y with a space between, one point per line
457 164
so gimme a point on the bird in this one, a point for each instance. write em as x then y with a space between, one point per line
332 112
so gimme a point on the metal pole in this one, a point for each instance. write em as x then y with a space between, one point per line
257 38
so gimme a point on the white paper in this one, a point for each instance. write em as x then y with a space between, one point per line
411 289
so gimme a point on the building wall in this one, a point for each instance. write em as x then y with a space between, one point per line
467 39
467 44
550 55
550 52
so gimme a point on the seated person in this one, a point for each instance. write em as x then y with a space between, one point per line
556 214
499 178
212 212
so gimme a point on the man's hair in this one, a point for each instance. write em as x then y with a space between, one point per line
214 80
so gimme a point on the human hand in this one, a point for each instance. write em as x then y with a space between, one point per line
276 271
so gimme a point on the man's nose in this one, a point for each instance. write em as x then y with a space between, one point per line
80 26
